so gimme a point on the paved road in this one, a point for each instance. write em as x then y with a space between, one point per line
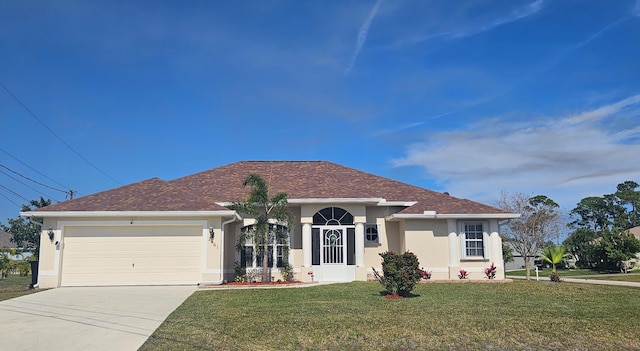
584 281
87 318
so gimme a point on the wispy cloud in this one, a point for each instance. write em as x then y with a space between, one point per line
567 158
362 35
636 9
516 14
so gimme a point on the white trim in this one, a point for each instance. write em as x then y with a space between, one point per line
463 239
384 202
335 201
366 200
184 222
434 215
217 271
452 228
377 228
132 214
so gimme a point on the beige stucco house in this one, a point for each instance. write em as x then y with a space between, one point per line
158 232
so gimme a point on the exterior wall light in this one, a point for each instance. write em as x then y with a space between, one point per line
51 233
211 233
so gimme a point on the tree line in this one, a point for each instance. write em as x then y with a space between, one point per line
599 235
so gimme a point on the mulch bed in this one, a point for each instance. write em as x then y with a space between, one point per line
250 284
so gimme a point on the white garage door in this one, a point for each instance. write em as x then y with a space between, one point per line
131 256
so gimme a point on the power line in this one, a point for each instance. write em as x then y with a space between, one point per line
27 185
31 180
56 135
8 199
14 193
33 169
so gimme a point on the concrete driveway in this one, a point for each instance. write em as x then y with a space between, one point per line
87 318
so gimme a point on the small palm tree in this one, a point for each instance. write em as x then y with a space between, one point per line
554 254
265 209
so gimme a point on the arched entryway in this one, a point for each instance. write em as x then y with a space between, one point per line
333 245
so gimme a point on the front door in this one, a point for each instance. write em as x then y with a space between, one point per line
335 242
333 246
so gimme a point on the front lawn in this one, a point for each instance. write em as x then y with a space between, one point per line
14 286
354 316
561 272
629 277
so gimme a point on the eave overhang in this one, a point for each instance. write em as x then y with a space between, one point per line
365 201
128 214
433 215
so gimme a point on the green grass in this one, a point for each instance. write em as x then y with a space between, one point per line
561 272
629 277
512 316
14 286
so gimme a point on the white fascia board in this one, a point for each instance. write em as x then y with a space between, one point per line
113 214
365 200
336 201
397 203
399 216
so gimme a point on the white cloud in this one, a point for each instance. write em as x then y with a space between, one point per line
636 9
467 31
362 35
566 158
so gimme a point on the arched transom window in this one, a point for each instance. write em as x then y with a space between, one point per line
333 216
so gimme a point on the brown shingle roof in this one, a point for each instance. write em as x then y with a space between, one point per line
300 179
149 195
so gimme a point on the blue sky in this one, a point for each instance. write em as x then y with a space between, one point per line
468 97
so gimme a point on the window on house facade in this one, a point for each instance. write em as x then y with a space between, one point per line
280 255
371 234
333 216
473 239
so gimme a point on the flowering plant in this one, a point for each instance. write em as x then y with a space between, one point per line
490 271
425 274
463 274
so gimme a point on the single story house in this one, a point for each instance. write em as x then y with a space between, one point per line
158 232
5 240
6 245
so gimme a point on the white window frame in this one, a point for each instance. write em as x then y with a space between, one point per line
464 240
373 226
274 257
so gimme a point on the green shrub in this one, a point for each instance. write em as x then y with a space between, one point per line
400 273
287 272
240 272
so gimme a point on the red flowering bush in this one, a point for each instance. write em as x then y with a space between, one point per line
400 273
425 274
463 274
490 271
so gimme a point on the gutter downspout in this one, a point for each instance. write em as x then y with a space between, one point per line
235 218
36 285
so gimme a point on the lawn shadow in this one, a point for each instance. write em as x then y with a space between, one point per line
384 293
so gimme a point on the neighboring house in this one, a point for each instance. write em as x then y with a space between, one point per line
5 240
6 244
160 232
636 232
518 260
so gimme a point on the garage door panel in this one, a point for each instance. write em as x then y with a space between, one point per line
131 256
